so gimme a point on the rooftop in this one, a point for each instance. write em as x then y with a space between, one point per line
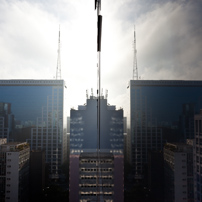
166 83
31 82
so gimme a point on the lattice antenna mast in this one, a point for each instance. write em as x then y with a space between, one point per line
58 68
135 69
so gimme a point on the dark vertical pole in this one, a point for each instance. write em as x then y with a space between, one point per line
99 33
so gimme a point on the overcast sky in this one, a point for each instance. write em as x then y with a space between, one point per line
168 35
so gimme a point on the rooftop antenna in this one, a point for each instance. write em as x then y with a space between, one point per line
91 91
135 70
86 94
106 94
58 69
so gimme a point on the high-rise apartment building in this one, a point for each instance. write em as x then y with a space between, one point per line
38 108
88 181
14 172
178 172
160 111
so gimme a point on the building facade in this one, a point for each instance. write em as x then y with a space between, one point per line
40 119
160 111
14 178
6 120
37 174
85 158
90 174
178 172
198 157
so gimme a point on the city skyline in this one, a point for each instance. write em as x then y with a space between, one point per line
168 38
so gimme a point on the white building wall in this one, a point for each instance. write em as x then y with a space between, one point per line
12 176
180 177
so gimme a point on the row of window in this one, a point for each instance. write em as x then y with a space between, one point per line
95 169
95 161
94 185
53 146
95 194
109 177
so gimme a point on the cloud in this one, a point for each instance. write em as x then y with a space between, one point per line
25 45
168 35
171 46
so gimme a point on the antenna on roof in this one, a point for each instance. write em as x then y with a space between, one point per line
135 69
86 94
58 68
91 91
106 94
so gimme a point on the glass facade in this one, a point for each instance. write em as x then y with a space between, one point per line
198 157
83 128
37 108
161 111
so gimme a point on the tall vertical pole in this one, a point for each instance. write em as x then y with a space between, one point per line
99 33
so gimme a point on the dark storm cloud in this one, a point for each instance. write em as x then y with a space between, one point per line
172 43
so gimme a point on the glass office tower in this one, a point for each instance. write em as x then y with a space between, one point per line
38 110
160 111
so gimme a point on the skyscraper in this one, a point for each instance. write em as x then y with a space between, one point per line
160 111
83 152
38 108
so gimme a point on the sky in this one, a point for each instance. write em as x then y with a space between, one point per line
168 43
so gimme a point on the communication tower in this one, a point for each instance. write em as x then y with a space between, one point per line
135 69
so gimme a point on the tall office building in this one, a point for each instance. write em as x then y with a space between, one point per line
38 108
83 152
14 171
178 172
160 111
